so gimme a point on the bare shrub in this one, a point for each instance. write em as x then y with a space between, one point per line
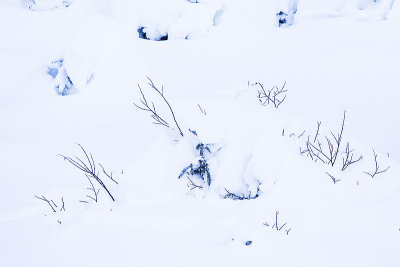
274 96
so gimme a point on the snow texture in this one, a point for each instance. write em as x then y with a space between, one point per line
247 182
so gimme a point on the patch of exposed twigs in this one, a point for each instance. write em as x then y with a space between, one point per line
328 150
274 96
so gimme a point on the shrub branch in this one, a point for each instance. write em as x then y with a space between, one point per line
48 202
89 168
377 167
150 107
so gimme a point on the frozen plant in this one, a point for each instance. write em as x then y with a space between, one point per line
235 196
285 18
151 34
199 169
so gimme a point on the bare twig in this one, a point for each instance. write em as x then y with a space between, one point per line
280 228
202 110
63 206
192 185
150 107
276 220
316 134
376 171
108 175
303 151
333 178
48 202
317 152
301 134
93 189
53 203
338 141
348 159
88 168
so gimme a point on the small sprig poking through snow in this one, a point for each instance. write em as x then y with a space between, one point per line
52 204
89 169
276 225
377 167
203 111
333 178
198 172
147 106
275 95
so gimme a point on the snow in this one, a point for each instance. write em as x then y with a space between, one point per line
337 56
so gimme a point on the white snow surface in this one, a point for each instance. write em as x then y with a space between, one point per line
338 56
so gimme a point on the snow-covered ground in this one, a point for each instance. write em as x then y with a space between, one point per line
70 72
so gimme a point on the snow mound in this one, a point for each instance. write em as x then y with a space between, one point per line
95 38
